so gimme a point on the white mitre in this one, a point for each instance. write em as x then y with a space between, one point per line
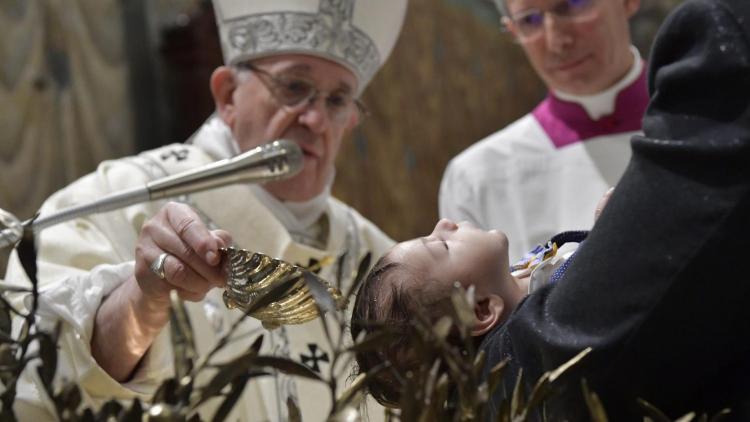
358 34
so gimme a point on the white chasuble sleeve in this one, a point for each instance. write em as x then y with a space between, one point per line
73 302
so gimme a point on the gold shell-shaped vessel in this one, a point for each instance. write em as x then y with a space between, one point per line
252 275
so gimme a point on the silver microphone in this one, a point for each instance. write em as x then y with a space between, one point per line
273 161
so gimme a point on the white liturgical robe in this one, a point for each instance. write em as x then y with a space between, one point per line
82 261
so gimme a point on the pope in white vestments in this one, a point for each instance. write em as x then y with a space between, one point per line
82 262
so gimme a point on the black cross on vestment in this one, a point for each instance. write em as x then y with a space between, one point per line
316 355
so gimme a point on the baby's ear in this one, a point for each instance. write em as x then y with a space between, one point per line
488 311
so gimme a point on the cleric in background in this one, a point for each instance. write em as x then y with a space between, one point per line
544 173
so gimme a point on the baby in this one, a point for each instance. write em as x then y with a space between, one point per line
419 276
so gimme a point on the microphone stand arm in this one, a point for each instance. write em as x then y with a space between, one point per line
274 161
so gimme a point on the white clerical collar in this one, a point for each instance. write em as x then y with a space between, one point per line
603 103
299 218
215 138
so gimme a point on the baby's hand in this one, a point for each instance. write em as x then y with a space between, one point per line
602 203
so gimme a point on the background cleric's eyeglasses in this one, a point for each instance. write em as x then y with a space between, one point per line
297 93
529 23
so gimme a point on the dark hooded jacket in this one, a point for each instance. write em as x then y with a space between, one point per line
661 288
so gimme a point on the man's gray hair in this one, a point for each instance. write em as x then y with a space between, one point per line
501 7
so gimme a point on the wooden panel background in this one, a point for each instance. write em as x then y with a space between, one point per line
64 102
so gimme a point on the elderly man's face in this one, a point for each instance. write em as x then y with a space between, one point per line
247 102
581 46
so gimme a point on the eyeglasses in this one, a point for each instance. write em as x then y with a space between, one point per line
297 93
530 22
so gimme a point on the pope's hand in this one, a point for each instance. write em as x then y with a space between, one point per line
191 265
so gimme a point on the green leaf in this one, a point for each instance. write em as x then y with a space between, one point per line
652 412
182 337
554 375
246 364
185 389
719 416
442 390
324 302
257 344
48 355
7 356
238 385
340 270
167 392
134 413
5 319
427 415
479 362
319 292
164 413
539 393
504 412
86 416
273 294
411 398
432 376
686 418
353 393
517 400
7 398
442 328
293 412
69 398
463 306
287 366
496 375
109 410
596 409
347 414
543 387
356 387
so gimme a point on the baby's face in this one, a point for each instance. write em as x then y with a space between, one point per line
458 252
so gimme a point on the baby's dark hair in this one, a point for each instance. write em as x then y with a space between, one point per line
395 309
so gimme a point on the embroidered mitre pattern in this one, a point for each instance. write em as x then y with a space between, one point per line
329 32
